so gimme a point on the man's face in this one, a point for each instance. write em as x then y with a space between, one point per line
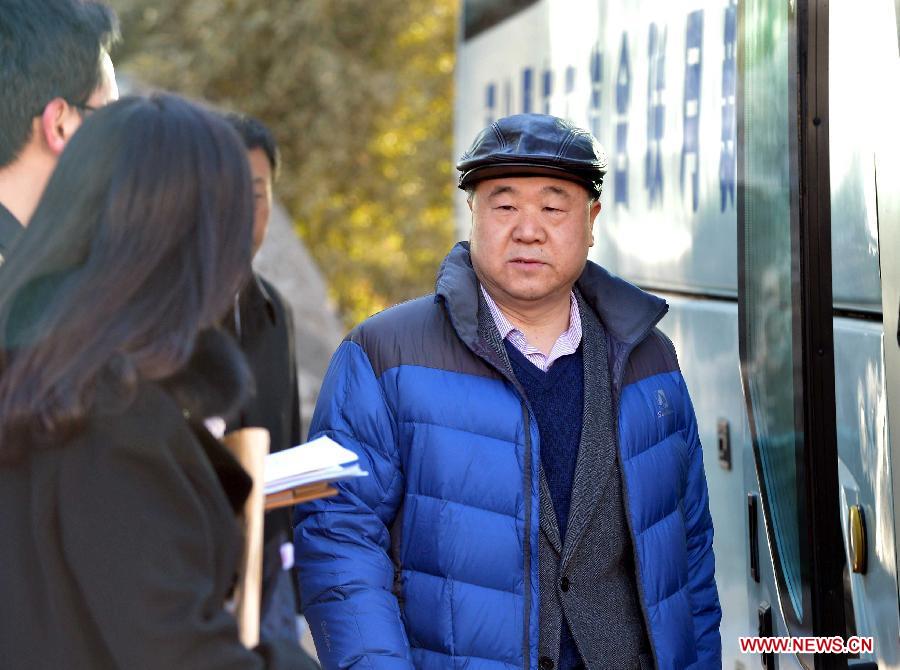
530 236
261 171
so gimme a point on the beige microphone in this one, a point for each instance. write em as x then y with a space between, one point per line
250 446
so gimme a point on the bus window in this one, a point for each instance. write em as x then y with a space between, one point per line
858 43
768 278
479 15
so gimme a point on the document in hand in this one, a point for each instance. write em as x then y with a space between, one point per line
304 472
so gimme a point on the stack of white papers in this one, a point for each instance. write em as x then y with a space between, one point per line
320 461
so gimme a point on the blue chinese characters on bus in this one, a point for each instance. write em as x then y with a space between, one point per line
727 160
570 90
656 112
623 103
595 110
540 84
547 89
693 66
490 104
527 89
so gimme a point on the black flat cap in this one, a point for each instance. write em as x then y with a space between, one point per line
528 145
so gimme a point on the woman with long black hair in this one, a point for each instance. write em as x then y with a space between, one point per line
118 540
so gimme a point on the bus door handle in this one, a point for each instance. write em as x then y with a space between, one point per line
753 535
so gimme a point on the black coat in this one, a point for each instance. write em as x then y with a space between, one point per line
264 328
120 546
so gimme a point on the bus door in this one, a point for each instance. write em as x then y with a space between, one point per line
786 324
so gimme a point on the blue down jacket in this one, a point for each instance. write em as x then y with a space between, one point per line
432 560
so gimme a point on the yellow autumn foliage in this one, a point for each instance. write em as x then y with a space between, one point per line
359 94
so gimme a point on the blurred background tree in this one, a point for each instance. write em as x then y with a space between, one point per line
359 95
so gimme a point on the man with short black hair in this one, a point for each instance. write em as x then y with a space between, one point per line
264 158
536 495
54 69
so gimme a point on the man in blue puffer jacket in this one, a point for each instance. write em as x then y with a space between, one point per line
536 496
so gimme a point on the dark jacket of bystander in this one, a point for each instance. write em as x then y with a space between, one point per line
120 545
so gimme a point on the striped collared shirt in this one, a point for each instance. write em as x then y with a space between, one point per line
566 344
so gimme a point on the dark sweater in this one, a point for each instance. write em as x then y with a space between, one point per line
557 400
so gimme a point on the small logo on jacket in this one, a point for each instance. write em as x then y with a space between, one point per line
662 404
